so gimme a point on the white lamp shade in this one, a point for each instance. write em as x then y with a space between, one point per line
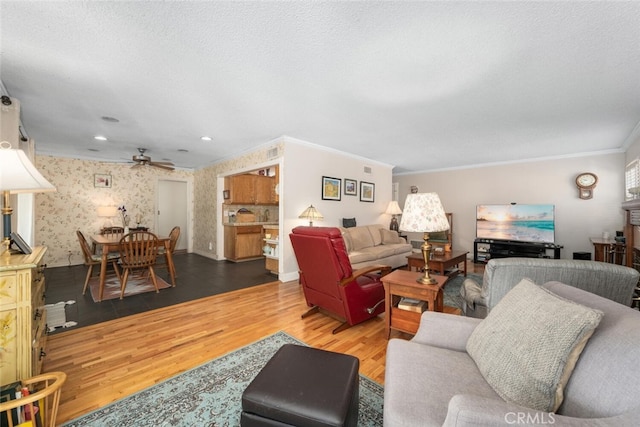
423 213
18 175
393 208
107 211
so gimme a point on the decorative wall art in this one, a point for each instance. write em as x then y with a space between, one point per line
102 181
350 187
367 191
331 188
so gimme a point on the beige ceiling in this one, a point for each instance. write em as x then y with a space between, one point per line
418 85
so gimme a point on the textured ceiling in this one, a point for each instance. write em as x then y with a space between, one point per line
418 85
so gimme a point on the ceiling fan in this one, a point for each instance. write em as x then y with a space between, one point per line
142 160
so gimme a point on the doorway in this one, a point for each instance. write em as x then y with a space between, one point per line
173 209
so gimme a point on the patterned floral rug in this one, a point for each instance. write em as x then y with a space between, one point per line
135 285
210 394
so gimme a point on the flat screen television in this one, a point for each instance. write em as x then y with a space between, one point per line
519 223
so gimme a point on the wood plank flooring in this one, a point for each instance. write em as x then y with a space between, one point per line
110 360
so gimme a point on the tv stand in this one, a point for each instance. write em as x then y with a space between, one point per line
486 249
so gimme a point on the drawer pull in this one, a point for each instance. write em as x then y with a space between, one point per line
42 354
37 314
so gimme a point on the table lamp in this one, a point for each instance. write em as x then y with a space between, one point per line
107 212
311 214
423 213
393 209
17 175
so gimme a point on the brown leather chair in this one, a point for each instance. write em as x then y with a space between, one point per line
328 280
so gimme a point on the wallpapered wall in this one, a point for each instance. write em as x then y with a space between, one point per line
206 210
74 205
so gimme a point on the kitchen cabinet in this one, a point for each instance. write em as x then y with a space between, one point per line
250 189
23 316
242 242
271 248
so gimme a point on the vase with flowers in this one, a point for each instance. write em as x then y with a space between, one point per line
125 218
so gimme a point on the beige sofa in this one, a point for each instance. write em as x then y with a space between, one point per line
375 244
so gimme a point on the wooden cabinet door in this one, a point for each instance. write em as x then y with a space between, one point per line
265 193
242 189
249 245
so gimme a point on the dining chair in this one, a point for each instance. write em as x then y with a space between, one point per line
91 259
112 230
174 235
138 250
45 389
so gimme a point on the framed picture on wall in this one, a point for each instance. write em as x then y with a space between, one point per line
350 187
102 180
331 188
367 191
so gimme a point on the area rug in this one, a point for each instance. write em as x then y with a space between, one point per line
452 296
210 394
135 285
57 316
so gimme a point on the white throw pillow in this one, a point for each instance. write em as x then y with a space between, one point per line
528 345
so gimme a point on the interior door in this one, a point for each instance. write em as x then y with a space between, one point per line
173 210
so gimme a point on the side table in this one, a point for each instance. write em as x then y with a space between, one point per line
402 283
440 262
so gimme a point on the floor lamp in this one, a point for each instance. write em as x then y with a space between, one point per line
17 175
423 213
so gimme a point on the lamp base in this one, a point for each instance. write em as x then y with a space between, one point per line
394 224
426 254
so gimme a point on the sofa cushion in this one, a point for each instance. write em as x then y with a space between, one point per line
360 238
528 345
347 239
390 237
374 230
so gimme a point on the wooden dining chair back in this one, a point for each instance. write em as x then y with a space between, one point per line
91 259
112 230
174 235
138 250
45 388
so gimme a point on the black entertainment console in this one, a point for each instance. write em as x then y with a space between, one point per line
486 249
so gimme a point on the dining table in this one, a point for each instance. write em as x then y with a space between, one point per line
107 243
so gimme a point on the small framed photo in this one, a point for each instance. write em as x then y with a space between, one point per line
331 188
367 191
226 194
101 180
350 187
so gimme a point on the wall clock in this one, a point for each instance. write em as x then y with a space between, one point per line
586 182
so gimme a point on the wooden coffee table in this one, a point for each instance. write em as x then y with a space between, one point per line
440 262
402 283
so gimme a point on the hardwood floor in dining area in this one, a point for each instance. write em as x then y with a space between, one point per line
115 358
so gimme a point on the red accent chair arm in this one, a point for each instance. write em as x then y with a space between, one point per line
383 269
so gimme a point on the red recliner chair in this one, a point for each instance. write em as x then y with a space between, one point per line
328 281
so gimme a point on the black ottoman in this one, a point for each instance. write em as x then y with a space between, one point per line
303 386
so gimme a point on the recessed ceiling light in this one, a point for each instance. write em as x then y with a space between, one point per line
100 138
110 119
206 138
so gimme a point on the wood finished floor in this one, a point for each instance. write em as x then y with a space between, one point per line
107 361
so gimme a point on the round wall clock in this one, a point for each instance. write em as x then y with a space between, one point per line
586 182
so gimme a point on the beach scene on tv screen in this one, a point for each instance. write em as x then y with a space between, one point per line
526 223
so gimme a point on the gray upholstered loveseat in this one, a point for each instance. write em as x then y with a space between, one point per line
431 380
375 244
611 281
